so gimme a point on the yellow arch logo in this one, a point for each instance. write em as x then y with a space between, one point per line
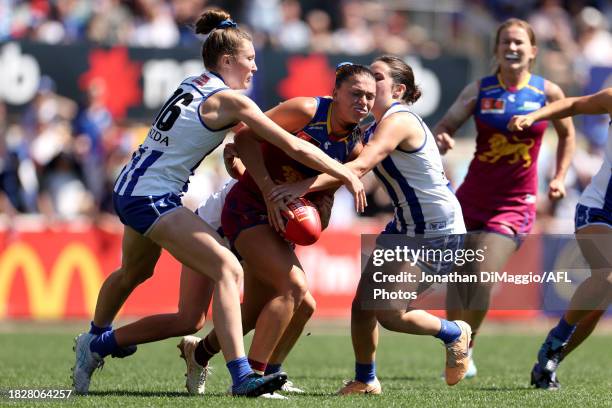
47 297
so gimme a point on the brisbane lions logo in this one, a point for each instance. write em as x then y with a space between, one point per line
500 147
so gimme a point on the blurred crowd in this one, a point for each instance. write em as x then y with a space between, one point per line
60 159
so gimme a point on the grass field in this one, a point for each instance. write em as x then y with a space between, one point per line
408 367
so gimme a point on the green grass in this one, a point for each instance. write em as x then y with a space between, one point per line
409 368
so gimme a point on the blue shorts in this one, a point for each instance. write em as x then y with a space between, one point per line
142 212
433 263
589 215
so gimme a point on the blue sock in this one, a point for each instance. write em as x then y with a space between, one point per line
366 373
98 330
272 369
239 370
563 330
449 332
104 344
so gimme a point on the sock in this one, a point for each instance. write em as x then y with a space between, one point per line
239 370
204 352
366 373
272 369
104 344
449 332
563 330
98 330
258 367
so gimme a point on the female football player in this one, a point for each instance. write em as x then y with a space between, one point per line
593 223
277 288
498 194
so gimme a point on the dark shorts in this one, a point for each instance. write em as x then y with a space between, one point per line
512 220
588 216
431 264
243 209
142 212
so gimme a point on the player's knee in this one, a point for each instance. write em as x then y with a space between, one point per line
307 307
296 289
228 268
132 277
389 319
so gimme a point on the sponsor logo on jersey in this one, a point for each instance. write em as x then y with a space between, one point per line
530 106
201 80
305 136
492 105
158 137
436 226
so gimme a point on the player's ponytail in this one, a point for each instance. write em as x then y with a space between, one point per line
224 36
401 73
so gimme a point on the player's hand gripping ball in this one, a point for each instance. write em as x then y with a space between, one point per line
305 227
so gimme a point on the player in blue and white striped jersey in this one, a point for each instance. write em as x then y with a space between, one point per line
593 223
191 124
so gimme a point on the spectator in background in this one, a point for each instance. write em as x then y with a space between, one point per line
594 39
391 34
321 37
354 37
111 23
63 195
89 126
186 12
293 33
156 28
552 24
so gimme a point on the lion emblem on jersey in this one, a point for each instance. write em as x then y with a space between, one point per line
290 175
500 146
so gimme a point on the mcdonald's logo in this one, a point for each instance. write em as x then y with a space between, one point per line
47 296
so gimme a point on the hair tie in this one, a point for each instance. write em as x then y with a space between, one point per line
228 22
343 64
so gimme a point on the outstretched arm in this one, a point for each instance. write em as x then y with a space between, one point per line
599 103
247 111
389 134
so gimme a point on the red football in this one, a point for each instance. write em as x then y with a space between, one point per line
305 227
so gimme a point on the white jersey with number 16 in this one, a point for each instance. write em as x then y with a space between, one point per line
176 144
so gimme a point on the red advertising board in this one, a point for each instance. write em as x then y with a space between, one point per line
57 275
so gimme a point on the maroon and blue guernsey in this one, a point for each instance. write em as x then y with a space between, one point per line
503 172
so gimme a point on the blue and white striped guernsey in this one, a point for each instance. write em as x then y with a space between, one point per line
598 194
176 144
415 181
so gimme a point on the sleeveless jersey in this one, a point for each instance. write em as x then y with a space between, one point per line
176 144
283 169
417 185
504 169
598 194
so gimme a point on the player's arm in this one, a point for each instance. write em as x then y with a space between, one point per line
245 110
599 103
325 200
456 116
389 134
291 115
234 166
565 147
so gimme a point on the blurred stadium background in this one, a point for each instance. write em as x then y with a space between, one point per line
80 81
